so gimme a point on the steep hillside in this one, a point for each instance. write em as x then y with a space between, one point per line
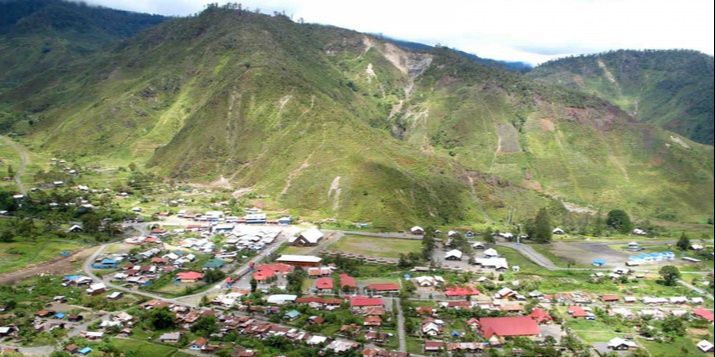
37 35
334 123
672 89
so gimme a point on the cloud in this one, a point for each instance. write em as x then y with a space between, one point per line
515 30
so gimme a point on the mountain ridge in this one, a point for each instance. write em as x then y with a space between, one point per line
331 122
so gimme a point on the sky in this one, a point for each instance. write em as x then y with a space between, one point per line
532 31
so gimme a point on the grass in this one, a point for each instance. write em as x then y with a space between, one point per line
682 346
559 261
17 255
591 330
377 247
144 349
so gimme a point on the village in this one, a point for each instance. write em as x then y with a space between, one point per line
194 282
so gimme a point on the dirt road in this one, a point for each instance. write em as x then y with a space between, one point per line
24 159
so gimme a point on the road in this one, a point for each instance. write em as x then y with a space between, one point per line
401 326
696 289
24 159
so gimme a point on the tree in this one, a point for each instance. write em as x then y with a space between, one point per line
673 325
619 220
205 326
488 235
213 275
161 318
254 285
428 244
683 242
542 227
670 275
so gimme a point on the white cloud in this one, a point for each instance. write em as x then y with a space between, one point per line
515 30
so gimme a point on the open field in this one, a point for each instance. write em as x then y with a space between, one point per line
18 255
377 247
146 349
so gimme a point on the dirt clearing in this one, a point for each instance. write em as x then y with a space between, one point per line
57 266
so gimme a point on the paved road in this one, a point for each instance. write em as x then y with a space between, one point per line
401 334
24 159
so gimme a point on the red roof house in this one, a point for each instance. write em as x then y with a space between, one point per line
461 291
325 283
540 316
577 311
372 321
383 287
347 281
609 298
508 326
189 276
703 313
364 301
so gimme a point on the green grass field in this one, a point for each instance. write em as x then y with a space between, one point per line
377 247
140 348
17 255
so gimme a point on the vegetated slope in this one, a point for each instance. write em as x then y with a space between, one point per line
330 122
670 88
36 35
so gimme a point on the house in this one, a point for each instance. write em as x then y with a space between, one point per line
639 232
316 320
280 299
324 285
491 253
610 298
364 301
460 291
199 344
432 327
291 314
300 260
508 326
115 295
696 246
71 348
341 346
634 246
705 346
577 312
96 289
434 346
703 314
425 310
540 316
599 262
558 230
499 264
380 288
75 228
417 230
85 351
189 276
310 237
214 263
7 330
478 245
374 352
453 254
347 282
620 344
372 321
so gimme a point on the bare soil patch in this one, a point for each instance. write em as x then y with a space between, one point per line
57 266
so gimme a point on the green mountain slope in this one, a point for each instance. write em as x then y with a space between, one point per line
334 123
672 89
36 35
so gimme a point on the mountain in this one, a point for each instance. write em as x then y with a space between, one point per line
670 88
43 34
508 65
329 122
